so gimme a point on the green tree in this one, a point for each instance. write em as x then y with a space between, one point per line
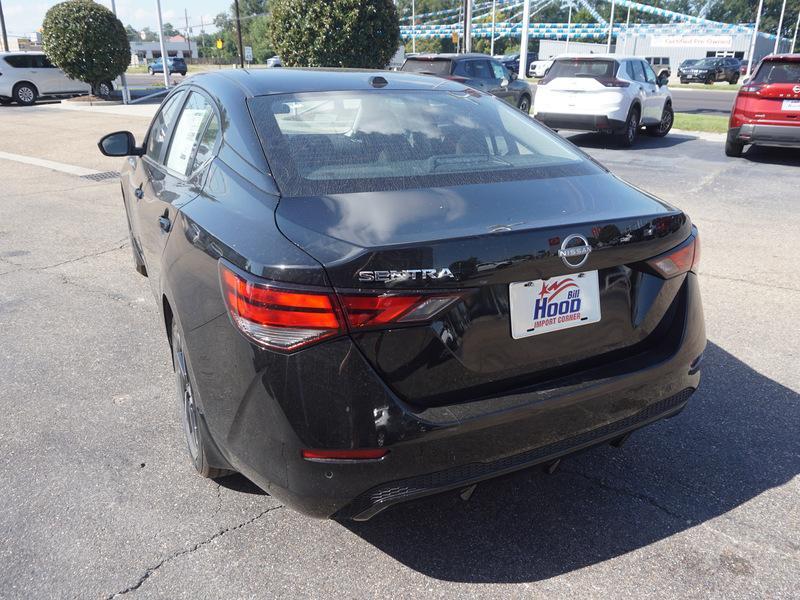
133 35
169 30
86 41
335 33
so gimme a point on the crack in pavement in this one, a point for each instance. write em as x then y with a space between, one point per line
184 552
120 245
632 493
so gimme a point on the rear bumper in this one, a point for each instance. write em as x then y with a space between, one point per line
768 135
268 407
580 122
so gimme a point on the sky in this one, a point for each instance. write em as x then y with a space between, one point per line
24 17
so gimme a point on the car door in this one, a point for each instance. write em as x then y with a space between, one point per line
59 81
176 178
653 98
33 70
635 71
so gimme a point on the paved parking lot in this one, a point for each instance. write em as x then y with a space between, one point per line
98 499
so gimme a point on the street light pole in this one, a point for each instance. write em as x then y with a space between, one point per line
467 26
3 28
610 27
753 41
523 46
569 26
239 35
780 27
413 26
164 57
126 95
794 37
494 4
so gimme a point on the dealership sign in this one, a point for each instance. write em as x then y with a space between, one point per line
692 41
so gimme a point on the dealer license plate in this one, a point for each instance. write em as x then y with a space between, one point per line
546 305
791 105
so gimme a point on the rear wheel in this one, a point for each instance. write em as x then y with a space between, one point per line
734 79
104 89
628 135
710 80
524 104
197 439
667 119
25 93
733 147
5 101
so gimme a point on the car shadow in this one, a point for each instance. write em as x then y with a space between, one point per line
239 483
609 142
789 157
736 439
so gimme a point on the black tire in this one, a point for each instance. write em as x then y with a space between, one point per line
198 441
627 136
5 101
667 120
733 147
524 103
709 80
104 89
735 79
25 94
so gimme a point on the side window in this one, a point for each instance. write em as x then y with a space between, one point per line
40 61
190 136
159 130
20 61
649 74
628 70
461 68
482 69
638 71
498 70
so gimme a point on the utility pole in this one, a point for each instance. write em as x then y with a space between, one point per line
239 35
164 56
188 37
523 46
753 41
202 33
610 27
467 26
794 37
3 28
494 4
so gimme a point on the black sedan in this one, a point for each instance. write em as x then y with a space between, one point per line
379 286
475 70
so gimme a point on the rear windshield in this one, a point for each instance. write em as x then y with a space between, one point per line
597 69
434 67
339 142
778 72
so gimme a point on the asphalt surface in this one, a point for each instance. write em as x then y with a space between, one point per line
99 499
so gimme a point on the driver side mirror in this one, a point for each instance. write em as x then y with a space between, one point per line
504 82
512 75
662 80
119 143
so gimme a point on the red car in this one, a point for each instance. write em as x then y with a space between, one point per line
767 108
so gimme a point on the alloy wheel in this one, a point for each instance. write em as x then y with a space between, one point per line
189 415
25 94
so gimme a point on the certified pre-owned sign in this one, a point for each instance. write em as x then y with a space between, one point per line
693 41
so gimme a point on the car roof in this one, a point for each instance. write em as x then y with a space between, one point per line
451 56
262 82
782 58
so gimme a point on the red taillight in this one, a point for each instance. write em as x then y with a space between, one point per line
751 89
287 319
679 260
369 310
615 83
357 454
278 318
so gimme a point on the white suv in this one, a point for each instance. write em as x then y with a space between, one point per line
604 92
25 76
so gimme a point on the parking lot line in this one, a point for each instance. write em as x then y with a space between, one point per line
49 164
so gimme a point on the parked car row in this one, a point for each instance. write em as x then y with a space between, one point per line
710 70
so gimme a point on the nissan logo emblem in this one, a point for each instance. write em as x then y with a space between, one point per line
574 250
796 89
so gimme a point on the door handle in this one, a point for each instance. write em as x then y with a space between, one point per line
164 223
138 192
